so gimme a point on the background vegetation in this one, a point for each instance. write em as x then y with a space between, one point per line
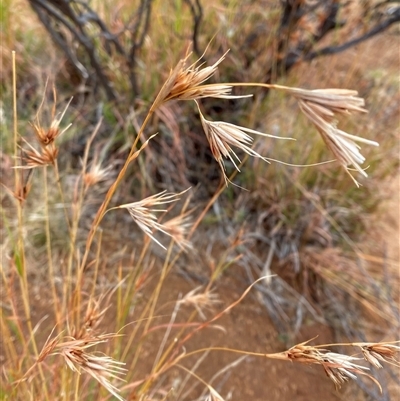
123 295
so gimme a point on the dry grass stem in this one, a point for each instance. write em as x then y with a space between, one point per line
222 136
143 213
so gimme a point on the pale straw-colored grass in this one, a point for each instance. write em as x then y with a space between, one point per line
185 83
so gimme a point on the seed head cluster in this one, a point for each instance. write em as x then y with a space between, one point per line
320 107
46 137
144 212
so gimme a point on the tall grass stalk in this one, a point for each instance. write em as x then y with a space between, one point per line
19 252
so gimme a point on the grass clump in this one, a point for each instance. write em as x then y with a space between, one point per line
74 278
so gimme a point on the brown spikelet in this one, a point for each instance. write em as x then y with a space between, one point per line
375 353
47 136
338 367
33 158
186 83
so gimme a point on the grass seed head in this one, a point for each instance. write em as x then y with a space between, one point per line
187 83
22 188
338 367
91 321
331 101
101 367
200 300
143 214
47 136
34 158
221 136
375 353
77 357
177 228
96 174
320 107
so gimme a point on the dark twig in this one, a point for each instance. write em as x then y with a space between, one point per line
61 12
60 41
91 16
197 14
139 31
292 12
381 27
79 19
303 50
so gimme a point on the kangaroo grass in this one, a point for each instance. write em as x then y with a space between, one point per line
338 367
78 333
186 83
